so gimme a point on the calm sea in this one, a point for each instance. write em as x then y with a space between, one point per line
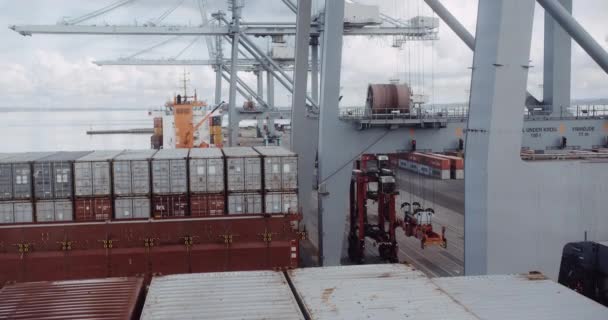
66 130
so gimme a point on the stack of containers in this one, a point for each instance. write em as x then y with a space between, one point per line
243 180
53 186
93 183
132 190
206 169
170 183
280 179
16 187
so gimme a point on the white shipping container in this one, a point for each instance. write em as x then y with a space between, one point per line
281 202
169 171
132 172
16 175
54 210
244 171
280 168
92 175
221 295
132 208
244 203
206 167
397 291
16 212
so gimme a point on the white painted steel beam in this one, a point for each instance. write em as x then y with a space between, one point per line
557 71
28 30
576 31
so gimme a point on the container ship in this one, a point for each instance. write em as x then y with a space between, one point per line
96 214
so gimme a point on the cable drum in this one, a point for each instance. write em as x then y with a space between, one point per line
387 98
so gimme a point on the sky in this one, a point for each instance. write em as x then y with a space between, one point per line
57 70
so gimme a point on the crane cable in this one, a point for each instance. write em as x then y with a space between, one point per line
167 12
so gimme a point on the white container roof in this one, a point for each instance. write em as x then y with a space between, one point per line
206 153
240 152
275 151
391 291
135 155
171 154
100 155
221 295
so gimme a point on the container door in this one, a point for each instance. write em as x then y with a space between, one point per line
123 208
64 211
253 203
101 178
290 173
22 181
272 173
215 204
236 204
62 180
290 203
7 214
102 208
253 174
198 205
23 212
83 178
273 203
122 178
43 180
179 178
198 175
236 174
160 176
84 209
6 181
141 208
215 175
45 211
140 172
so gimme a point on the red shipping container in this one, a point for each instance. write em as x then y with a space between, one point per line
88 209
164 206
202 205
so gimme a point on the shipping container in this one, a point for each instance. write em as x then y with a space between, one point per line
132 208
132 172
109 298
164 206
16 175
280 168
207 204
54 210
244 203
92 174
53 175
397 291
16 212
243 169
226 295
206 167
169 171
90 209
281 202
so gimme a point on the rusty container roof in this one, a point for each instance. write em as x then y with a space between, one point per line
110 298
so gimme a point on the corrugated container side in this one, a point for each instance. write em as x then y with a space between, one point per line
132 208
43 180
253 174
131 177
164 206
225 295
22 184
90 209
6 181
207 204
16 212
244 203
109 298
281 202
207 175
169 176
289 173
235 174
280 173
92 178
54 210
